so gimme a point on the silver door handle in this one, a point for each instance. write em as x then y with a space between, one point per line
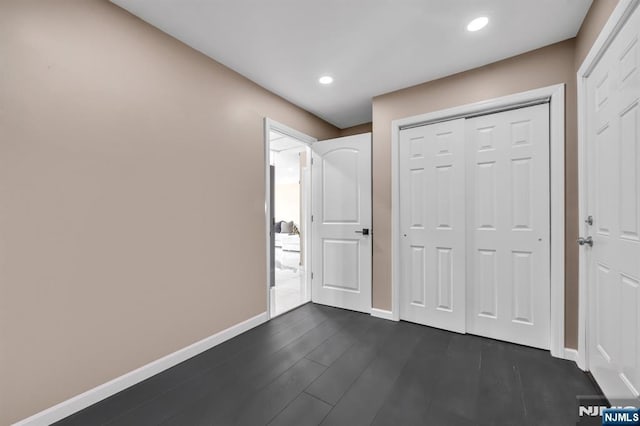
365 231
586 241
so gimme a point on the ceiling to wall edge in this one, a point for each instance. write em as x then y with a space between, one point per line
369 120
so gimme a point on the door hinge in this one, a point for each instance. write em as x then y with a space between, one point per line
312 275
311 218
312 161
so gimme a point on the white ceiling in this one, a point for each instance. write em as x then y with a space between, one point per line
370 47
287 166
279 142
285 155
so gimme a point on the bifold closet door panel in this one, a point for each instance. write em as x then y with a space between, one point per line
508 226
432 225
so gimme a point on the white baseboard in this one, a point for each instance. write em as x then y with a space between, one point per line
572 355
90 397
381 313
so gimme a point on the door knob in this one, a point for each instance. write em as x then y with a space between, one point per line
586 241
365 231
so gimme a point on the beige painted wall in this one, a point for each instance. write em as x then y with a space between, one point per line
550 65
594 21
356 130
122 206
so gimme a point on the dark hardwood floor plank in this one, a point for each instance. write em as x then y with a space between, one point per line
500 393
305 410
334 347
441 416
367 395
334 382
458 389
409 400
262 407
550 386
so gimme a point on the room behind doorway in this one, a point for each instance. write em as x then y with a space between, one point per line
288 159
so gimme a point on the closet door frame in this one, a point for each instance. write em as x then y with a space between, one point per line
555 96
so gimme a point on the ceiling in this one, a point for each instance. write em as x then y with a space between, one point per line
279 142
285 155
370 47
287 166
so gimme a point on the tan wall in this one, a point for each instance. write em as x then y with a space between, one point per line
123 209
543 67
356 130
594 21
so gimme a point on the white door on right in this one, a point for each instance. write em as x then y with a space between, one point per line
613 201
508 226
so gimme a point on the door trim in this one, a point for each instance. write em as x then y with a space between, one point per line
270 125
555 96
616 22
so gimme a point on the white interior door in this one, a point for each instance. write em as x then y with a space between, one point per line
613 200
341 225
432 225
508 222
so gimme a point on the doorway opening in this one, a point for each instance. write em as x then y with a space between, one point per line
288 154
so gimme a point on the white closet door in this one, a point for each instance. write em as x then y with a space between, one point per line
613 199
341 226
508 275
432 223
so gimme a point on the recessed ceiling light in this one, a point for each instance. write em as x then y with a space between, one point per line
478 23
326 79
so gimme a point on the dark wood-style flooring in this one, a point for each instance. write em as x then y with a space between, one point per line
320 365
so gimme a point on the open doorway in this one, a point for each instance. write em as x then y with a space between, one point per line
289 208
